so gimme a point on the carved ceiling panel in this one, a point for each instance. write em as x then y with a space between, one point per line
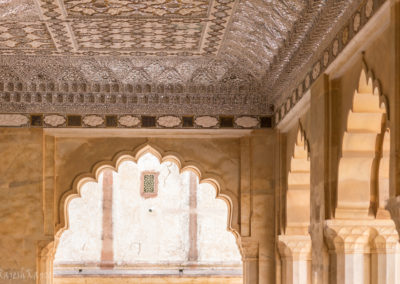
111 27
234 56
137 8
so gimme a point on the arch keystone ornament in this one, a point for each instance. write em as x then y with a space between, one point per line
295 244
357 193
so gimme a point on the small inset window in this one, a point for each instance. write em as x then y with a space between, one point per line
149 184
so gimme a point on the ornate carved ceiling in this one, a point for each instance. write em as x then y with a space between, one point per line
219 56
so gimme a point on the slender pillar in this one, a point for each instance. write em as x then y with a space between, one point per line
245 187
383 255
250 258
295 251
107 252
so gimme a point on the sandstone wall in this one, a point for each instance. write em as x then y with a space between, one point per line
21 211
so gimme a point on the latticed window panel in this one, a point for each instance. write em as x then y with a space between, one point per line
149 184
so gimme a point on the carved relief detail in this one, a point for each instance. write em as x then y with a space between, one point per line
13 120
295 247
361 236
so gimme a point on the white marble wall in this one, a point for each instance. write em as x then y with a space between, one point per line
82 243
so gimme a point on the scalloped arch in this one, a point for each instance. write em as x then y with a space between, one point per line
298 193
93 176
367 121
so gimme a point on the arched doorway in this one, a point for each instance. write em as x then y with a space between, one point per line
147 221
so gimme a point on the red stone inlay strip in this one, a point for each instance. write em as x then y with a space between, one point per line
107 253
193 253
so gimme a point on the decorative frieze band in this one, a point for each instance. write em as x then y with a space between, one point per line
133 121
336 46
85 98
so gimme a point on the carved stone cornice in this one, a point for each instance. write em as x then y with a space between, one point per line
61 85
295 247
361 236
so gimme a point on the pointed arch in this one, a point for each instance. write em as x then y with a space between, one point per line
359 162
295 244
298 193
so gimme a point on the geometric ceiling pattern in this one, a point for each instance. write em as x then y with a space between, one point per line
114 27
219 57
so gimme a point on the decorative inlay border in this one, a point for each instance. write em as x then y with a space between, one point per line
355 23
57 120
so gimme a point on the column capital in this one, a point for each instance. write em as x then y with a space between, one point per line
361 236
249 249
296 247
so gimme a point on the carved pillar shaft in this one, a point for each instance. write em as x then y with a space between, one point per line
383 258
250 260
383 268
295 251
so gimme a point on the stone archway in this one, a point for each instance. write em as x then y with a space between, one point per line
295 244
362 238
365 121
48 251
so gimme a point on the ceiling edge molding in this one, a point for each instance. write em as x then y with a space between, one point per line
341 40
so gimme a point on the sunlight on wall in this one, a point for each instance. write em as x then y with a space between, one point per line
82 242
215 242
149 230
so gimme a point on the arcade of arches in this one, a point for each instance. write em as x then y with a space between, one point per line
302 187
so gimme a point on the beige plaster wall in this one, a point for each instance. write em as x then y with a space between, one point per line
21 215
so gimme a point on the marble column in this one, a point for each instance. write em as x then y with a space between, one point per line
384 247
295 251
360 251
